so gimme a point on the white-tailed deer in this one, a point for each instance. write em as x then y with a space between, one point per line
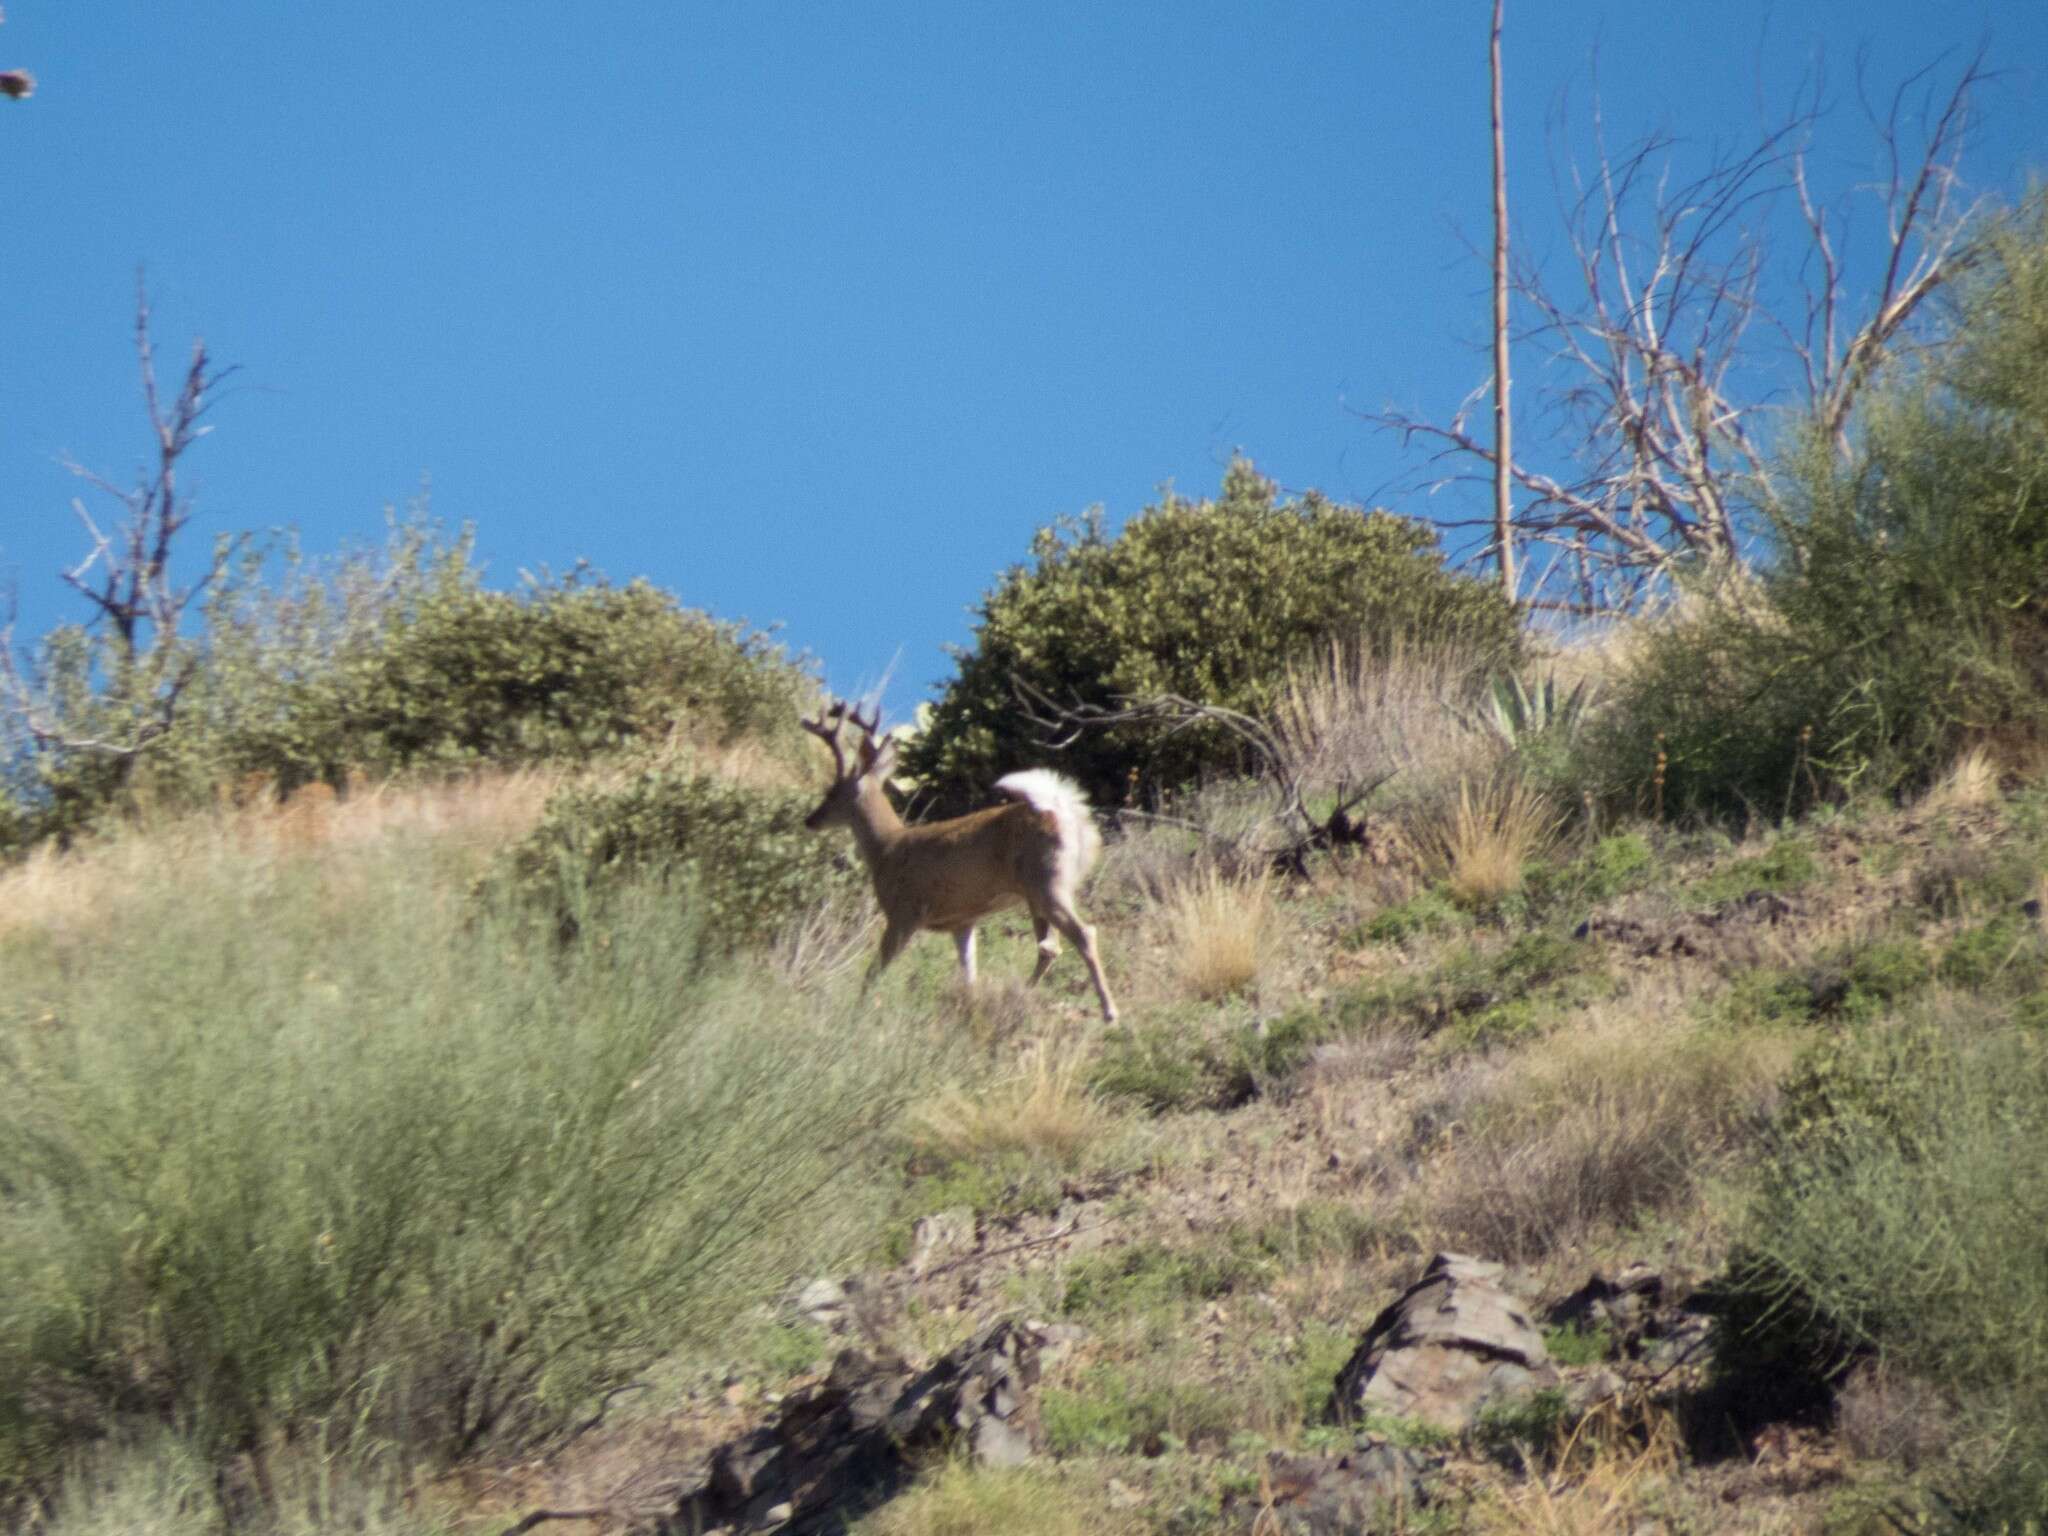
949 875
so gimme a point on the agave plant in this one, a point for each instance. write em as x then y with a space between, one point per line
1520 714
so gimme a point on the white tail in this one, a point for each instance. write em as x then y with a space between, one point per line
949 875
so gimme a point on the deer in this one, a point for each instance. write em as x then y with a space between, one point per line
947 876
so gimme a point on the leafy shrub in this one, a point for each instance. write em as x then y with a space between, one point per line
1146 1276
400 661
1849 982
744 854
2007 953
1109 1412
1208 600
1902 618
1485 997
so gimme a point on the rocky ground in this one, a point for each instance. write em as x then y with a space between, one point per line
1436 1243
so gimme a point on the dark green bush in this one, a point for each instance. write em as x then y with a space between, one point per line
1208 600
744 854
1904 613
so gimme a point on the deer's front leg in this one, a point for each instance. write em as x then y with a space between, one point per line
894 937
963 940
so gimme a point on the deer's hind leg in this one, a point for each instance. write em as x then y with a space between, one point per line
1060 912
963 940
1048 945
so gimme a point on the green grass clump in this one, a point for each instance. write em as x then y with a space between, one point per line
1522 1429
1178 1063
1786 866
1482 997
1847 983
1147 1277
1113 1411
1425 913
312 1142
2007 954
1573 1345
1614 866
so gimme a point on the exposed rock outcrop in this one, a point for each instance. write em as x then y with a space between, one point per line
1455 1343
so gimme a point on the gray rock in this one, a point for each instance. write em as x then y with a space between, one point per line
941 1238
1455 1343
846 1440
824 1302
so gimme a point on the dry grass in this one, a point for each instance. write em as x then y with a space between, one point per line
1616 1118
86 888
1970 783
1608 1476
1217 929
832 940
1358 714
1480 844
1041 1108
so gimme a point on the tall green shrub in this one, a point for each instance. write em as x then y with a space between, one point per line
303 1146
1904 611
1902 1210
1207 599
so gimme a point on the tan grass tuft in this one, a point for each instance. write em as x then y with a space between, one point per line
1042 1108
1971 782
1479 844
1217 930
1614 1472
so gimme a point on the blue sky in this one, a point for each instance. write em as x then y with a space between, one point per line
812 313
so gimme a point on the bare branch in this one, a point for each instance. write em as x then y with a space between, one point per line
1670 345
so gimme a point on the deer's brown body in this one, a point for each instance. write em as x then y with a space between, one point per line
949 875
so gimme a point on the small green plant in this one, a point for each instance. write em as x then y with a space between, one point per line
784 1349
1522 1430
1619 863
2006 954
1408 1432
1573 1345
1109 1411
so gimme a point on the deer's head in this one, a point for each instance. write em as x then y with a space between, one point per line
873 761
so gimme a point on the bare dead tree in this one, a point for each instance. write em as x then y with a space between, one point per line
1679 337
126 574
1503 442
1061 725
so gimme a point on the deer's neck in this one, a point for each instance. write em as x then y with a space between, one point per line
876 826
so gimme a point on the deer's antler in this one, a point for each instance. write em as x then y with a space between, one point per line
827 727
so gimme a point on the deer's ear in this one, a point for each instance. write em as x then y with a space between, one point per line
881 761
